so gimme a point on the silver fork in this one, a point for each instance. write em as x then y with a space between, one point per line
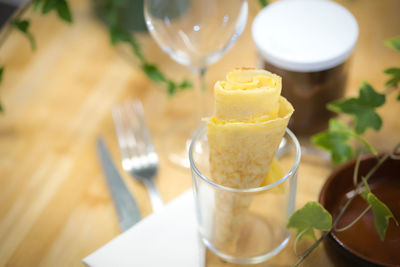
138 155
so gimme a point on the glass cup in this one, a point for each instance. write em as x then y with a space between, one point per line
244 226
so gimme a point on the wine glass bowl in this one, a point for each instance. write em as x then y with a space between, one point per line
195 33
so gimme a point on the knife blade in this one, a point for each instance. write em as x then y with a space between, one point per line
127 210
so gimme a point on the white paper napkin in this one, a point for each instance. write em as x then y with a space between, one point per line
166 238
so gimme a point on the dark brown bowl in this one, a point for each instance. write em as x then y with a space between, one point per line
360 245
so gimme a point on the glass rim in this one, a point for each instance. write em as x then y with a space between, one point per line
287 175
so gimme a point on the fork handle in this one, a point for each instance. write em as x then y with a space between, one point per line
155 196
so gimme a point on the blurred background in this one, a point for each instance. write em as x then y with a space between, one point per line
55 207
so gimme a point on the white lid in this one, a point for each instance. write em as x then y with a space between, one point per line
305 35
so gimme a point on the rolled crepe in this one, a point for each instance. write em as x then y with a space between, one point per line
244 135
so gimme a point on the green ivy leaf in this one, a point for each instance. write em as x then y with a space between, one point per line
36 4
381 212
171 88
116 3
23 27
311 216
394 74
63 11
263 3
185 84
60 6
111 17
118 34
153 72
48 5
362 108
335 141
136 49
156 75
393 43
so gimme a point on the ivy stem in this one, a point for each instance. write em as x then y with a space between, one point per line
375 168
297 240
356 167
393 154
9 26
310 249
353 222
365 142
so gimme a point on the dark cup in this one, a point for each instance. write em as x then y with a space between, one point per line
309 93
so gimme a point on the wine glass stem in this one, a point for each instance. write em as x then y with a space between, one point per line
201 92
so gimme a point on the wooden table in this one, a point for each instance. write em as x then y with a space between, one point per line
55 207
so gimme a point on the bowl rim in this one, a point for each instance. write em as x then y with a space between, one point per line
322 201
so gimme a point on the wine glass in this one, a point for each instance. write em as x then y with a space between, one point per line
195 33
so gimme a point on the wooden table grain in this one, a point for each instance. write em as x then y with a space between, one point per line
55 207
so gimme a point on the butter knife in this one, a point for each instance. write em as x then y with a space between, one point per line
127 210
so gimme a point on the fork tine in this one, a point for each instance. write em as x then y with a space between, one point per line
131 138
127 143
119 127
135 125
137 105
151 155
